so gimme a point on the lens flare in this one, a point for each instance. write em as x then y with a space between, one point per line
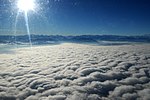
26 5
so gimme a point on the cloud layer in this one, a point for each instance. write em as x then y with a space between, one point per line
76 72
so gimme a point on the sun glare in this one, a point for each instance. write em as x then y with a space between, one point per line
26 5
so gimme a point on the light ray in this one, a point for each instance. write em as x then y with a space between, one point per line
15 31
25 6
28 29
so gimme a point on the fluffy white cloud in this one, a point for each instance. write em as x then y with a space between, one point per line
76 72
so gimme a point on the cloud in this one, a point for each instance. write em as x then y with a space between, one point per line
76 72
119 91
144 94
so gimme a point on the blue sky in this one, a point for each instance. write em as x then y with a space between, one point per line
79 17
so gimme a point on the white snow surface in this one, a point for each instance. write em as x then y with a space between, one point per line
76 72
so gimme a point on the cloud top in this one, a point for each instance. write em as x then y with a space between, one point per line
76 72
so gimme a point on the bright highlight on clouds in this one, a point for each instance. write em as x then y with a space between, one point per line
26 5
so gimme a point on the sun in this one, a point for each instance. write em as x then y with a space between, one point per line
26 5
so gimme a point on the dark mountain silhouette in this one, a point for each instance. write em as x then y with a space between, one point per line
54 39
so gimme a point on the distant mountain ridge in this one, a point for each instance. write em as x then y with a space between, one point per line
53 39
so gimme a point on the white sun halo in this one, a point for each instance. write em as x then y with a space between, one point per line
26 5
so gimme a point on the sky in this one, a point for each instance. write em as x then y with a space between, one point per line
78 17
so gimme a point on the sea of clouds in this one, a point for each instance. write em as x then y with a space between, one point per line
76 72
